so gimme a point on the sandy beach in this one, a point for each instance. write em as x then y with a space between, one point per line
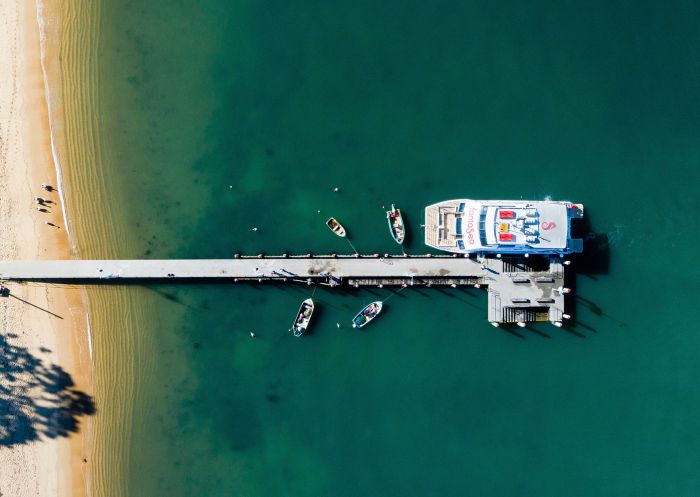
45 391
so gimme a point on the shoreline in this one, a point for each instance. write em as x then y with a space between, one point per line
52 110
40 459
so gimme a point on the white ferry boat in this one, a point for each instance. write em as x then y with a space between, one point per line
502 226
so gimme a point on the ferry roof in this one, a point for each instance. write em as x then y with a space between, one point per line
507 226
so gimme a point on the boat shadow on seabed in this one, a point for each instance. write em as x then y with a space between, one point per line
37 400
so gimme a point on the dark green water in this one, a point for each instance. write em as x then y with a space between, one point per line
224 115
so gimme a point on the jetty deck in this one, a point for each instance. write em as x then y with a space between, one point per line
517 292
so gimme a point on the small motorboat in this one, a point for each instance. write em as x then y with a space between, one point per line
336 227
396 224
367 314
301 323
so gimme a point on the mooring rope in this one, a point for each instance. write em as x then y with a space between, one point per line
351 245
394 293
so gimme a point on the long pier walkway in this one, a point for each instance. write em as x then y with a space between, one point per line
517 292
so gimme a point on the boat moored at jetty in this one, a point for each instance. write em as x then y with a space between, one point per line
503 226
336 227
396 226
301 323
367 314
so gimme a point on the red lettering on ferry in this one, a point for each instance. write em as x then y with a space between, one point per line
470 226
548 226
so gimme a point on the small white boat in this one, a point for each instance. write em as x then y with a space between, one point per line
335 227
301 323
396 226
367 314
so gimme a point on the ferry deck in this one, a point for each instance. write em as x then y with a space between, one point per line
502 226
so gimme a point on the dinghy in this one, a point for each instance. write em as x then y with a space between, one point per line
367 314
335 227
301 323
396 226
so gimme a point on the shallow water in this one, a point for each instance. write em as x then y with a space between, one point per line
220 116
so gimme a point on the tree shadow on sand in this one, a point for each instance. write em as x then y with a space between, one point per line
37 400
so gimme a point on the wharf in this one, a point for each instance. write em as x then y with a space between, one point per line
517 291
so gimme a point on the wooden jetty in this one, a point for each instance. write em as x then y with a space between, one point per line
518 292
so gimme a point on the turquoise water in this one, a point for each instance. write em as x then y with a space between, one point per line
221 116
